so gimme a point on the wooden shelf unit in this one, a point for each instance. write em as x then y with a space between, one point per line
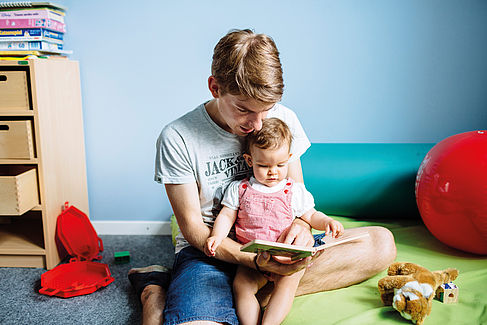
28 240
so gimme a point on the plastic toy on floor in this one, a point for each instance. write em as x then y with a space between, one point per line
81 275
410 289
122 257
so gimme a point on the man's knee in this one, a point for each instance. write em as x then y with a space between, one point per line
384 247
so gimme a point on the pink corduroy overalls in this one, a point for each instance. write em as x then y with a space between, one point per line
263 215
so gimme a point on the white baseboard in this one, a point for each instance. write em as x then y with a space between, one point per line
132 227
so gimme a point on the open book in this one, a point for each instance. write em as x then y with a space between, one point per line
294 251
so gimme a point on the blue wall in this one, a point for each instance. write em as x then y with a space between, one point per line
355 71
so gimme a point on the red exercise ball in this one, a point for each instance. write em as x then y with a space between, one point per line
451 191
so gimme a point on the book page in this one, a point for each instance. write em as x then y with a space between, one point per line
277 249
294 251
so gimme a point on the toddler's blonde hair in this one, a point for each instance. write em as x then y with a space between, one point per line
273 134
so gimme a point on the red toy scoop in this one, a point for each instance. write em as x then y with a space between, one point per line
75 279
78 236
80 276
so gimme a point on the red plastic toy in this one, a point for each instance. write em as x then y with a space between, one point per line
80 276
451 191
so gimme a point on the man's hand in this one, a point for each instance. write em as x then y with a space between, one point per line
299 233
269 263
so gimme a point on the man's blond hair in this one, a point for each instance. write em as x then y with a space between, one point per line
273 134
248 64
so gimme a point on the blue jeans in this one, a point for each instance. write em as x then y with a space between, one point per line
200 289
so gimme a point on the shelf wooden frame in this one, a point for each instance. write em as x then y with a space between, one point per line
56 112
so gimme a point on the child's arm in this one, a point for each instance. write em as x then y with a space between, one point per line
223 223
320 221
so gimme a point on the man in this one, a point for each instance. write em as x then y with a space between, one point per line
198 155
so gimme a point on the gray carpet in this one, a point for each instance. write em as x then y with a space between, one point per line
20 302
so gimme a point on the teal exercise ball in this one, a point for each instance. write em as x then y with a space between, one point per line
451 191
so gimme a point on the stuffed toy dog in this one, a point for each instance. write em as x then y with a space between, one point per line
410 289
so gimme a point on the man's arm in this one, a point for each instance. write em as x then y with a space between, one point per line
299 233
185 204
295 171
184 201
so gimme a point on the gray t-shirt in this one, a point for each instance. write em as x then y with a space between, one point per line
194 148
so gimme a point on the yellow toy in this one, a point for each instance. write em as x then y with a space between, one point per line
410 289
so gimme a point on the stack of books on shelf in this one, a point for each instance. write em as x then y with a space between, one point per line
29 28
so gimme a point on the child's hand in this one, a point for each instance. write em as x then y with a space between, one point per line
335 227
212 244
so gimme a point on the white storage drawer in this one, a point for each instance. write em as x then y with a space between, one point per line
16 140
18 189
14 93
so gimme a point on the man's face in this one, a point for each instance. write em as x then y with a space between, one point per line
241 115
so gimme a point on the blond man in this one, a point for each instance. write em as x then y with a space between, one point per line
198 156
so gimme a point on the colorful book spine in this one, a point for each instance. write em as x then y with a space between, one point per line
32 23
29 46
32 14
31 34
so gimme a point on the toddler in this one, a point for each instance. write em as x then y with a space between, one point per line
262 207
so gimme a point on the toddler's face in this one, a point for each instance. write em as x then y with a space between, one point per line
270 166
